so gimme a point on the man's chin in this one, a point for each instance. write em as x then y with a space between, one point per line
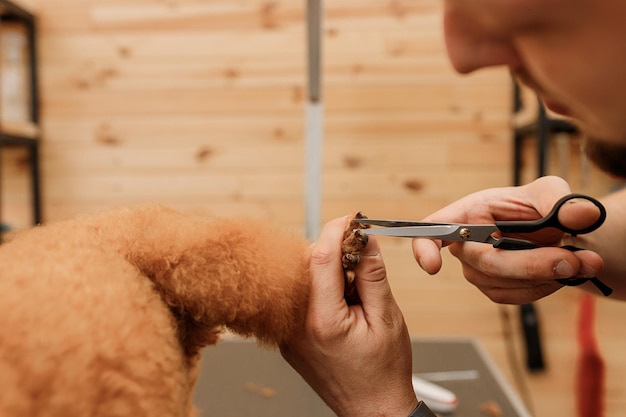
608 156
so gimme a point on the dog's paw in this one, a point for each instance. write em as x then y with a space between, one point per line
353 243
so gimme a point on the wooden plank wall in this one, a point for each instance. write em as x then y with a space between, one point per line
199 105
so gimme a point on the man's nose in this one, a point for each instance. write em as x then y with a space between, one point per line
471 47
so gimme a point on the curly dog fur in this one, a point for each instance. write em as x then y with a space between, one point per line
106 314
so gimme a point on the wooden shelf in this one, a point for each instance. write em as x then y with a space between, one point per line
23 130
19 109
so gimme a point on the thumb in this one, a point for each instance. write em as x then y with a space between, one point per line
578 214
327 291
371 281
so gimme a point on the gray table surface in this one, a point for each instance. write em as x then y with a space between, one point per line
239 379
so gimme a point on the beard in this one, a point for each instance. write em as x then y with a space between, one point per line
608 156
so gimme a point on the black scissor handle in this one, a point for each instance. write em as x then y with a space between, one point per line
574 282
518 244
552 219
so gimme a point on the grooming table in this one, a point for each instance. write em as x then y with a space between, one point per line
239 379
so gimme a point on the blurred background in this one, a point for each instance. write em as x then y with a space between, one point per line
200 105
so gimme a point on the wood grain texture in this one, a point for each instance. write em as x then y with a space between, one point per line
200 105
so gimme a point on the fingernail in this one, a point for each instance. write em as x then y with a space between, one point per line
563 270
586 271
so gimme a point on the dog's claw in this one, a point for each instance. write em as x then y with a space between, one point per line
351 259
362 236
353 243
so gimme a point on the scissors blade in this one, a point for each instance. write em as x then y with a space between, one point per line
434 232
456 232
397 223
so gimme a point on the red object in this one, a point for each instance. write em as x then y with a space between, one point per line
591 371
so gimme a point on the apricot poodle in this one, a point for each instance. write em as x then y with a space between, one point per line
106 315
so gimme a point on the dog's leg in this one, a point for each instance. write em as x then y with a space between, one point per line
242 274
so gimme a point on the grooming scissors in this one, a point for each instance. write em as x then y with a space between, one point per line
484 233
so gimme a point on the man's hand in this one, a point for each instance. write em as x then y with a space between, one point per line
356 357
514 277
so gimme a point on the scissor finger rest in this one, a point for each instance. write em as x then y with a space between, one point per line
574 282
516 244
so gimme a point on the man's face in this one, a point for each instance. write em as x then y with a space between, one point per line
571 52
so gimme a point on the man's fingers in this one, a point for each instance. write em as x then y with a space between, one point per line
535 264
427 253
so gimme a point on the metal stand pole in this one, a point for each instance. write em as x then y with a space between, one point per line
314 122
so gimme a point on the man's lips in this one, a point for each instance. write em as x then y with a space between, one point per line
556 107
525 78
